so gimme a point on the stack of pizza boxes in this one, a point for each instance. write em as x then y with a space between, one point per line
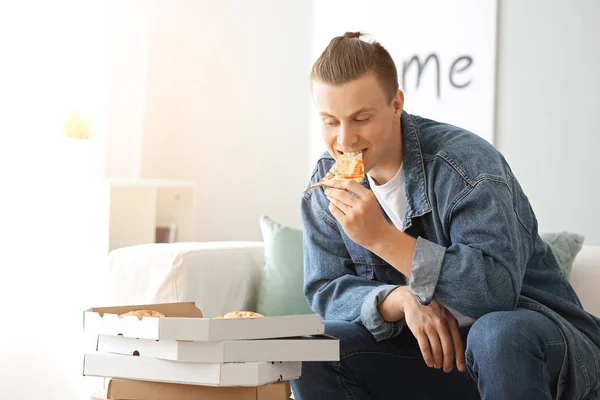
171 352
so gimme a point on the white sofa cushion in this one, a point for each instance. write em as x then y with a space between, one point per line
218 276
585 278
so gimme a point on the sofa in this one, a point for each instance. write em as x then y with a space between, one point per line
224 276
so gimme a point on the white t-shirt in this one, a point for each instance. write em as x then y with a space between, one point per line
392 197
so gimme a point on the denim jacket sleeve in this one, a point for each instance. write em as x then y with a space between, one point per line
332 285
482 269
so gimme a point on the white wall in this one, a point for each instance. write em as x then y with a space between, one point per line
53 248
227 104
125 96
50 64
547 108
215 92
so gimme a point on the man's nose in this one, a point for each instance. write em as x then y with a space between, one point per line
346 138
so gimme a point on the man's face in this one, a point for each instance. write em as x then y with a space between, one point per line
357 117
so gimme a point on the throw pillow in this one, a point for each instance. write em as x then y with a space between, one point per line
565 246
281 287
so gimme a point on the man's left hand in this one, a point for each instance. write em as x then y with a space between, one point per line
359 215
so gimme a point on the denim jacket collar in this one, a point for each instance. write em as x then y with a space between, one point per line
414 171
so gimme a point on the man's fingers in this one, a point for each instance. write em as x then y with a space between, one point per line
344 208
447 348
436 348
425 349
337 213
357 188
341 195
459 348
351 185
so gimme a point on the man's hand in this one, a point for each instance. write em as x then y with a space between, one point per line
364 223
436 331
359 215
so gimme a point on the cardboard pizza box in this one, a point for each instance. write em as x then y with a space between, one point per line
139 390
307 348
207 374
184 321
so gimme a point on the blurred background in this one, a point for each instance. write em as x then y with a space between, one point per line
112 110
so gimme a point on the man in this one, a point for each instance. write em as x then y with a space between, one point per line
431 272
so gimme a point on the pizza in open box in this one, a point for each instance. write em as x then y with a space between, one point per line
143 313
240 315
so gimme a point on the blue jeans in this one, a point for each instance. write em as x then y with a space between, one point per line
510 355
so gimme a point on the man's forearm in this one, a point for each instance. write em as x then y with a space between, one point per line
396 248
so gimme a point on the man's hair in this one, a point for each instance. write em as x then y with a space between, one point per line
348 57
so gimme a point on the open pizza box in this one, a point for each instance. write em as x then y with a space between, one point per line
184 321
205 374
139 390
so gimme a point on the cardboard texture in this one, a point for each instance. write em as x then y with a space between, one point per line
184 322
152 369
310 348
99 396
139 390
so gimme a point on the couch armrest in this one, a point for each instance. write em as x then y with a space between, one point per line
585 277
218 276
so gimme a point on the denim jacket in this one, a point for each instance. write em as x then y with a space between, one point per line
478 248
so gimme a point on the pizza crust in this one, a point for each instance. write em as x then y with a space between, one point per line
240 315
143 313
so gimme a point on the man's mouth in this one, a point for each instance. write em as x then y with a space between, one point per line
352 153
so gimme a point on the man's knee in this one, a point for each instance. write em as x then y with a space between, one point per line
489 333
497 334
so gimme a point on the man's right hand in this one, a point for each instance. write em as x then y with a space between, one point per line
435 328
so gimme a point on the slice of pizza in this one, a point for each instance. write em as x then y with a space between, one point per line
347 166
240 315
143 313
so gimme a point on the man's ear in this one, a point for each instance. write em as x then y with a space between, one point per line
398 103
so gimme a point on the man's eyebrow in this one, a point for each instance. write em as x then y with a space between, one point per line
354 114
